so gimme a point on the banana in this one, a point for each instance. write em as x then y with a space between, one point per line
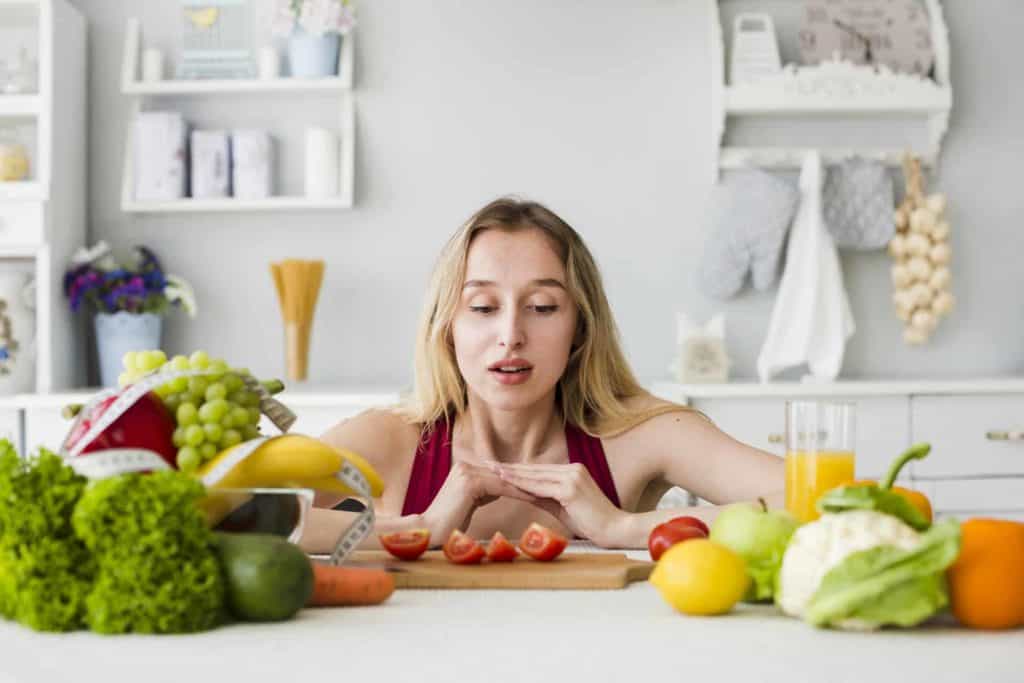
287 459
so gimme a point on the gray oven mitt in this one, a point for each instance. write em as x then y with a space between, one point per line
750 213
857 203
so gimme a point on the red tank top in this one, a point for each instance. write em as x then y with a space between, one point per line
433 461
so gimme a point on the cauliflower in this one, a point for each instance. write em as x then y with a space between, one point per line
821 545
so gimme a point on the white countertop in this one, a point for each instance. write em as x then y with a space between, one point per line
994 385
306 394
497 636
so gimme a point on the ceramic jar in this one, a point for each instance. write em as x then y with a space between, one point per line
17 333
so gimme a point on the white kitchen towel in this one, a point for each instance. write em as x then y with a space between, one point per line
811 319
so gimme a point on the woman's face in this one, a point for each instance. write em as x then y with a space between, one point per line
514 325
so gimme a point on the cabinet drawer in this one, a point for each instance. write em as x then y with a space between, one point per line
10 427
45 427
882 427
21 223
969 496
959 428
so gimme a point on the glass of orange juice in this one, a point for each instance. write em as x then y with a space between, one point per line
819 452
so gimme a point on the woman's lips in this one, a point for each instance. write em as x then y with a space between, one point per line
520 375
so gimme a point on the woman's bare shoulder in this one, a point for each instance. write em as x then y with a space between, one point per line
380 435
660 425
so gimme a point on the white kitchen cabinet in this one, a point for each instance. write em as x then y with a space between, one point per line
10 425
970 435
42 218
316 412
968 497
882 428
44 426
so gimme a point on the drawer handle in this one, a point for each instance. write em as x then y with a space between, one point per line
1004 436
776 438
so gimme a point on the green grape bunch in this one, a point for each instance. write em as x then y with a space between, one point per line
212 411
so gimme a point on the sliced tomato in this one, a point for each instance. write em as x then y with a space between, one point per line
500 550
463 549
406 545
541 543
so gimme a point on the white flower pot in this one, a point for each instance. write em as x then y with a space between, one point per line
121 332
312 56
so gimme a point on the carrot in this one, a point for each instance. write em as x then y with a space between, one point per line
338 586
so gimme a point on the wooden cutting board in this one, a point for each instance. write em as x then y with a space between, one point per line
569 571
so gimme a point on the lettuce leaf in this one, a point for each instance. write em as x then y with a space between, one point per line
873 498
887 585
45 571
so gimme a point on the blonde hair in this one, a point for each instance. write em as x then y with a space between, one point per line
597 384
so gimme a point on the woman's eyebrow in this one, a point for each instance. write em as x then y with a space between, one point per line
542 282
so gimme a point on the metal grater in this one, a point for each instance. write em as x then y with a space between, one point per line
215 40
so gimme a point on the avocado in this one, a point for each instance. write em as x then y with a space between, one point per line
268 578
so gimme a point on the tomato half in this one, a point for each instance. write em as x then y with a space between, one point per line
500 550
406 545
541 543
463 549
666 535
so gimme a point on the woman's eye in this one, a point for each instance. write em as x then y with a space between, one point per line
477 308
543 310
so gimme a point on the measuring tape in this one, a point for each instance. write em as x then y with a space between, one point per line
114 461
279 414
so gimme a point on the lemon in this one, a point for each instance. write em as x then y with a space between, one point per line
700 577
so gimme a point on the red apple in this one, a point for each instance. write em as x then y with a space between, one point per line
690 521
666 535
147 424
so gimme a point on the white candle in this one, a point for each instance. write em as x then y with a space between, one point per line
323 164
152 65
269 63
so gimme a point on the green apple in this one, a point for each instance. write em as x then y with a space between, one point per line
759 536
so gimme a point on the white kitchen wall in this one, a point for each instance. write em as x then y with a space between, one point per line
599 109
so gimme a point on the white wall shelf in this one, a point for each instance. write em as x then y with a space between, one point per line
241 205
23 191
19 105
339 87
131 85
832 89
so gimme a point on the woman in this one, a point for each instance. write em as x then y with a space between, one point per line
524 408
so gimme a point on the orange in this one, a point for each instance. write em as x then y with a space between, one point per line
915 498
986 583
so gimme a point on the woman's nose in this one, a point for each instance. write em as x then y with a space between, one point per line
512 335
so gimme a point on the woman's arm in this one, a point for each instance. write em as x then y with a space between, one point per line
325 527
382 438
694 454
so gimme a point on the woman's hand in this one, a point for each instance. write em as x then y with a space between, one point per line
469 486
569 494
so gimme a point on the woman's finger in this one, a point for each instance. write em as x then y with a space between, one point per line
529 467
538 487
